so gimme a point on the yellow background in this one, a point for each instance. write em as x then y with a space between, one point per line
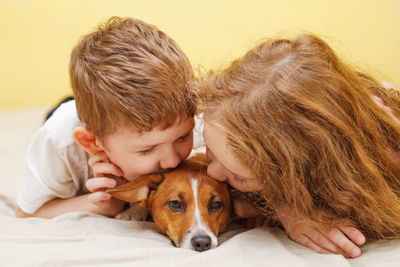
36 37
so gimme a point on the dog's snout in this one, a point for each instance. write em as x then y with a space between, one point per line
201 243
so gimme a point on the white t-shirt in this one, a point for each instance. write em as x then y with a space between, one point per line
56 166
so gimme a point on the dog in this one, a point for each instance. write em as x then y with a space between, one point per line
187 205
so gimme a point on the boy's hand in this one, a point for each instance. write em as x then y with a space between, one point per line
102 202
102 167
337 240
107 175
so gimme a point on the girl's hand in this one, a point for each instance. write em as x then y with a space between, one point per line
388 85
342 240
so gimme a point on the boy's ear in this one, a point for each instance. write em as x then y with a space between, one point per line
86 139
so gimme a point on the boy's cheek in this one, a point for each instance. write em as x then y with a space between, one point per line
139 167
187 151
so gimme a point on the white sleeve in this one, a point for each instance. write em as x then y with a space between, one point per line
46 174
198 140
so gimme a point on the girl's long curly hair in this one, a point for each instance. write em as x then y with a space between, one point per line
307 126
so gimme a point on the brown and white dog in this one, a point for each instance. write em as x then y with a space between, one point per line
187 205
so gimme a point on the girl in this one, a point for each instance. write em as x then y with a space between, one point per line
316 140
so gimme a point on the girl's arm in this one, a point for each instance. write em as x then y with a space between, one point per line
342 240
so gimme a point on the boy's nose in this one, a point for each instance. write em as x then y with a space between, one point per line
171 160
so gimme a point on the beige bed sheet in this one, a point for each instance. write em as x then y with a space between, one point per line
84 239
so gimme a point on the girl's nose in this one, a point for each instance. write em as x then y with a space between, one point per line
216 171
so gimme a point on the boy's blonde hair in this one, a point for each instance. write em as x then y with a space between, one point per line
307 127
130 74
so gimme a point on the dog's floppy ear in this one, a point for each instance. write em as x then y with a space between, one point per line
137 190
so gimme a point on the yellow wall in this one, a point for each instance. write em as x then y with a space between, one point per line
36 36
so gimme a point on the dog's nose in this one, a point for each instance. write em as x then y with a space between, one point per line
201 243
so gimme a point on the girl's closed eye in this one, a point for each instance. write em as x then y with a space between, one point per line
239 179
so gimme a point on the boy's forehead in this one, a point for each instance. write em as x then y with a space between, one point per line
180 121
157 135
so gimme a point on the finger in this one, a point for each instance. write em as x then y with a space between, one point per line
378 101
385 108
349 248
106 169
322 241
98 157
98 197
388 85
354 234
120 180
307 242
99 183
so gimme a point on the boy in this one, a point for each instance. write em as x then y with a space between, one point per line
133 113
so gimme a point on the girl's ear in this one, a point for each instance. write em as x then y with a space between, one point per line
86 140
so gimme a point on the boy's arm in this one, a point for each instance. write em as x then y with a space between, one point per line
106 206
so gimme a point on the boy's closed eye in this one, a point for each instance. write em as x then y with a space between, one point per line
185 136
151 149
147 150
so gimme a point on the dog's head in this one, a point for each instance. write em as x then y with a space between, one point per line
187 205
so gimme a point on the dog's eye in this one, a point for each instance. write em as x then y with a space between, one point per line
215 205
176 205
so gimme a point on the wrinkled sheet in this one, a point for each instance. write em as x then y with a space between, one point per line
84 239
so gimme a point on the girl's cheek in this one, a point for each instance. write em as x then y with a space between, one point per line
245 187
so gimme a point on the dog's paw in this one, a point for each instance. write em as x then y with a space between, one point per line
134 213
